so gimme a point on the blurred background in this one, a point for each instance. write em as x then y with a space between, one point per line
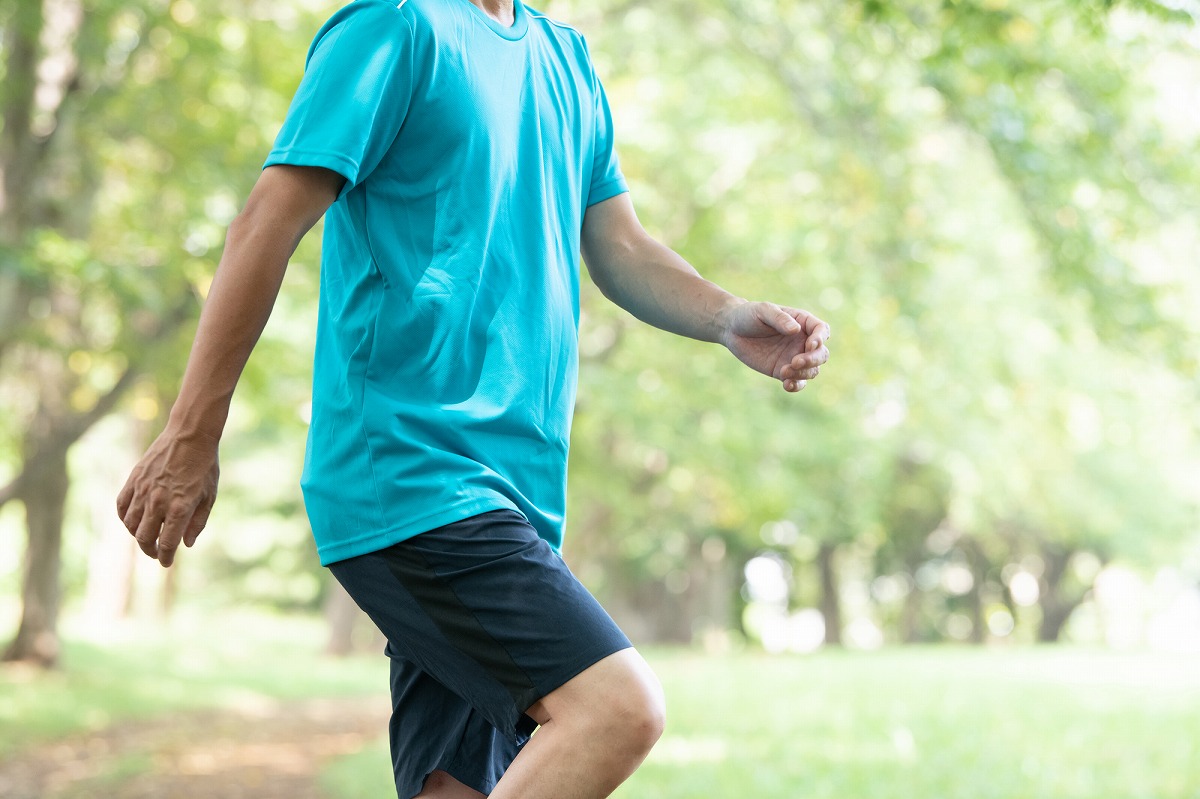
964 562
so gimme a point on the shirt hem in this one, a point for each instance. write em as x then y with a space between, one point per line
377 540
335 162
606 191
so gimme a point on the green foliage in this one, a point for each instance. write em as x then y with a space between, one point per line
975 196
150 153
157 148
991 202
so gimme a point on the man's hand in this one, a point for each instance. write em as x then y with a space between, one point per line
169 494
652 282
785 343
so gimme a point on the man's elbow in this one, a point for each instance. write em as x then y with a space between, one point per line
610 264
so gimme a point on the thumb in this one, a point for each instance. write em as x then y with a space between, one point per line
779 319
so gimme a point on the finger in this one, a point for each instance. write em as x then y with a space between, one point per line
815 357
124 498
792 386
808 320
779 319
133 516
814 327
199 520
818 335
147 532
178 519
805 373
129 504
803 361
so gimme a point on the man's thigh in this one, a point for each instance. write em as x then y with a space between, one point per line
488 611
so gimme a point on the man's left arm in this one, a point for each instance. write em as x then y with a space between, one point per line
655 284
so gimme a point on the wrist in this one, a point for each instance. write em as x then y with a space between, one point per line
725 317
192 425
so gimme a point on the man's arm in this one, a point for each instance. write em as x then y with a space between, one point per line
170 492
656 285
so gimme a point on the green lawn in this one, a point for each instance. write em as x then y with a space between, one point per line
189 663
929 723
909 724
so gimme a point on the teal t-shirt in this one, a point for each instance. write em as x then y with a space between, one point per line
446 356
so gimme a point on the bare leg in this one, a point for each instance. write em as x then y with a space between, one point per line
596 730
441 785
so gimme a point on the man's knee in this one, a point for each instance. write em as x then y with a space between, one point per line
618 699
638 705
643 720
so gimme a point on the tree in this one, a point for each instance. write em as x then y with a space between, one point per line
984 198
109 227
964 190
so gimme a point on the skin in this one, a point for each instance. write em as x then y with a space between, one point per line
598 727
499 10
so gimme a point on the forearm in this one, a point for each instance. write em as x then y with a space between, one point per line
285 203
655 284
243 292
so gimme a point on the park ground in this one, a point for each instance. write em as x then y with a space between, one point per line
248 707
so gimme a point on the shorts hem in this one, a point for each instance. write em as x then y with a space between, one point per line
459 772
576 667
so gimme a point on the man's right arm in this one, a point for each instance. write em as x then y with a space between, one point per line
170 492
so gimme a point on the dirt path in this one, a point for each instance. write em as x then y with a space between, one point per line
270 751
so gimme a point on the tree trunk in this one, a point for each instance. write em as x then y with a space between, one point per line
42 487
1057 606
910 614
979 565
1054 618
17 98
45 498
49 181
831 602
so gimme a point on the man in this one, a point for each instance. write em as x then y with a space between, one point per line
462 152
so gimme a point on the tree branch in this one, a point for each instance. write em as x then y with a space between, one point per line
74 429
16 107
12 490
76 426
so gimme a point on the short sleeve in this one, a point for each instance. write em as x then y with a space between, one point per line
354 95
606 180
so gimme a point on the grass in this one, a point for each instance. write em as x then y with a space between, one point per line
1046 723
190 663
946 723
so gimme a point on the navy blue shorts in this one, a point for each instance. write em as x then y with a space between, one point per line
482 620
